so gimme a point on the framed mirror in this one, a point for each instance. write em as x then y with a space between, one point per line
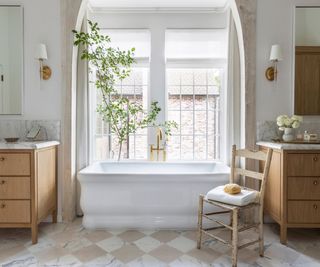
11 60
307 61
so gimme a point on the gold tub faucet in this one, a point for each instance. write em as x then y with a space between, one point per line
158 148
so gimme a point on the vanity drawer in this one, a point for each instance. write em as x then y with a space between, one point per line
17 164
14 187
304 212
304 188
303 165
15 211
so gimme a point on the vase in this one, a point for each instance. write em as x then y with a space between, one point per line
288 135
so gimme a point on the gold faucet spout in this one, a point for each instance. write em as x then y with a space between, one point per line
159 137
158 147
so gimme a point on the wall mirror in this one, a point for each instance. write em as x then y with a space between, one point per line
307 61
11 60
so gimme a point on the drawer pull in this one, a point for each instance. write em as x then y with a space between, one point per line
2 159
315 158
315 206
2 182
315 182
3 206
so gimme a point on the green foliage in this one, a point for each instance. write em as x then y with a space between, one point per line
112 64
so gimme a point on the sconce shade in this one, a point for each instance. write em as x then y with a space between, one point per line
41 52
276 53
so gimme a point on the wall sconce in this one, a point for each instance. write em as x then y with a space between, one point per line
41 55
275 57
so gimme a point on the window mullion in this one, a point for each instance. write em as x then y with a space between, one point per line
193 115
207 115
180 116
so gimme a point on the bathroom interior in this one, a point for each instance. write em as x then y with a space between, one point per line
159 133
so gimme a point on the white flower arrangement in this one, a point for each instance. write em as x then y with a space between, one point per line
284 121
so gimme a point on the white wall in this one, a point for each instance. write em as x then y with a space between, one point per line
275 24
41 24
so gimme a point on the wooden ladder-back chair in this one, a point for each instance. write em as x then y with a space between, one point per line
234 210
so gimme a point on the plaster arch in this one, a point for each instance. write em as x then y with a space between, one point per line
73 12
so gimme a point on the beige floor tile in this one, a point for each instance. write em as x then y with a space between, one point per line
193 235
50 254
6 253
165 235
165 253
127 253
96 236
204 254
111 244
131 235
89 253
182 244
147 243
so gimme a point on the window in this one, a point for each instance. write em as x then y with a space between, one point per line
189 88
135 88
196 62
194 103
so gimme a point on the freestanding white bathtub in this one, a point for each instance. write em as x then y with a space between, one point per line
146 194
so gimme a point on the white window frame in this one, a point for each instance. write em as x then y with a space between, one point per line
219 63
158 65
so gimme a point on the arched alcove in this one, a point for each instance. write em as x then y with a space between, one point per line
73 12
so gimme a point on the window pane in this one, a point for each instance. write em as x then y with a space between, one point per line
200 77
174 102
173 147
175 116
200 102
186 122
200 124
200 148
186 102
187 78
187 147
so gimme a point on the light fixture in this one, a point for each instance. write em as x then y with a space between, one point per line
275 57
41 55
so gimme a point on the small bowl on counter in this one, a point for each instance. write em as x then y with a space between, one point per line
11 139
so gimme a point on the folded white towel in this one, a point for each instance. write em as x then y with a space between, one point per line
244 198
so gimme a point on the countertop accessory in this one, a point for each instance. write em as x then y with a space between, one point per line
11 139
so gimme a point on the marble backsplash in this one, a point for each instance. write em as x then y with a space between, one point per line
20 128
268 130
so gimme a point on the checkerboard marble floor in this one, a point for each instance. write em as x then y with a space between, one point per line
72 245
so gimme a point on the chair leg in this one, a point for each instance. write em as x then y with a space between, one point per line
200 213
231 233
234 237
261 238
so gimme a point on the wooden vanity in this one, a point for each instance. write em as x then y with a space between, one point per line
292 196
28 184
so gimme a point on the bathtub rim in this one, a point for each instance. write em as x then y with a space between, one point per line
86 170
86 175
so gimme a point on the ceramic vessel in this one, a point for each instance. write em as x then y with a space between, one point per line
288 135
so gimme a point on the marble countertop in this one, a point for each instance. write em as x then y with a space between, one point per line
28 145
289 146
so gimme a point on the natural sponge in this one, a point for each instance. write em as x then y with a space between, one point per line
232 189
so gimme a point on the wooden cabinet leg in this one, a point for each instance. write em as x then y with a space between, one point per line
34 234
283 234
54 216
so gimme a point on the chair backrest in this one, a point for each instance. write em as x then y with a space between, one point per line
254 155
